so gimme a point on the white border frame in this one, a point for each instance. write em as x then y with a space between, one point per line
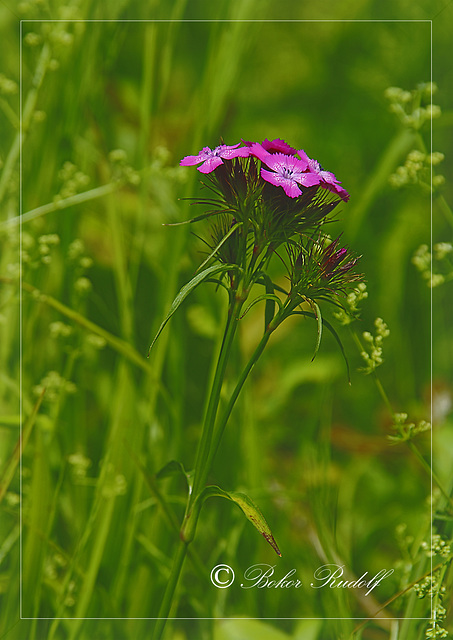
20 287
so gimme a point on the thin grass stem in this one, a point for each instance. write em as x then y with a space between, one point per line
167 602
234 396
121 346
29 108
201 468
60 205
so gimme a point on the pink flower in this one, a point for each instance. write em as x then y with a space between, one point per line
274 146
327 179
287 171
212 158
278 146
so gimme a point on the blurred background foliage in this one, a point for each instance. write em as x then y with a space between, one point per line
108 110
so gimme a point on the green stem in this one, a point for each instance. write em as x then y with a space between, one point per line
413 447
410 444
384 395
121 346
27 114
165 607
234 396
446 210
65 203
443 204
203 455
397 148
417 453
167 510
201 467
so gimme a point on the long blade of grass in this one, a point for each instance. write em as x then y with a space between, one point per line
116 343
187 289
13 462
60 205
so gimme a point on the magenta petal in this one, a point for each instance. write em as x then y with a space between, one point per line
307 179
290 187
257 150
303 156
328 177
344 195
280 162
210 164
271 177
278 146
242 152
335 188
190 160
200 157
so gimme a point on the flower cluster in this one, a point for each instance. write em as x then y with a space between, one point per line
265 197
438 546
417 170
372 354
265 194
435 269
413 108
407 430
289 169
431 586
321 267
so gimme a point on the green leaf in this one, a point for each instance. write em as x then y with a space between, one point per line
333 332
188 288
224 239
174 468
13 462
209 214
276 287
247 506
219 283
318 317
269 311
268 297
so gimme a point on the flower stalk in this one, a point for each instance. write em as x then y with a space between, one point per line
264 197
201 469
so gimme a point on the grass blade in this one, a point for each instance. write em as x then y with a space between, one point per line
187 289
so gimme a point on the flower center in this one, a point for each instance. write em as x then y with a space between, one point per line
286 172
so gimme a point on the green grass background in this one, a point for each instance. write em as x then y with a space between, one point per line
311 450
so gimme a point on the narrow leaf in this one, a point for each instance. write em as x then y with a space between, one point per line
269 310
188 288
219 283
265 296
262 280
224 239
196 219
11 465
333 332
121 346
318 317
174 468
249 509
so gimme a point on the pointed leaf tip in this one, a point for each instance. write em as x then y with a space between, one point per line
186 290
249 509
